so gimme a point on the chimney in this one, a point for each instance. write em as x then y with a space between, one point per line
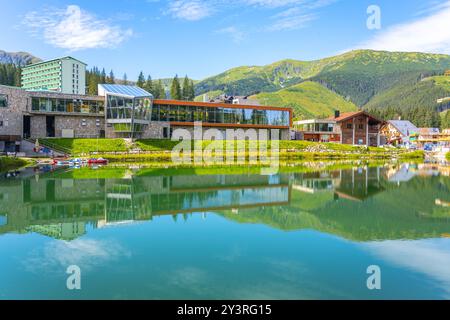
337 114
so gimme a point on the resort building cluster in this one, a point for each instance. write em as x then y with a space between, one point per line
52 102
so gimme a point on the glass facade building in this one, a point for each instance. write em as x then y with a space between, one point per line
42 104
212 113
128 108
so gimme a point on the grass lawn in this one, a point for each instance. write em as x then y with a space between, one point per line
84 146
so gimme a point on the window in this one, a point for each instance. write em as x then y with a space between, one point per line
361 127
1 123
349 126
3 101
165 132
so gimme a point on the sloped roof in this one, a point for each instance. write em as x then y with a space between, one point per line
348 115
405 127
125 91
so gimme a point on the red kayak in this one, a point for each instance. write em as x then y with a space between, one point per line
98 161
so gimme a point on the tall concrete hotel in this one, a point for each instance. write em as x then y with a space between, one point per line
52 102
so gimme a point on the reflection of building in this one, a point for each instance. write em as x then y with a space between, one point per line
316 182
355 128
61 208
354 184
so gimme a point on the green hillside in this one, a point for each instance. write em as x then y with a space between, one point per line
357 76
308 99
408 94
210 94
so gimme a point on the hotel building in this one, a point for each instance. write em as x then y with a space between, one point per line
65 75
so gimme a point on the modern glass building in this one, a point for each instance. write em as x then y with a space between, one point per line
185 113
128 109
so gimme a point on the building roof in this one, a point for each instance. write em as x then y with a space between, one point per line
47 61
431 131
349 115
124 91
405 127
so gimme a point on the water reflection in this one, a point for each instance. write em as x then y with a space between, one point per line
362 203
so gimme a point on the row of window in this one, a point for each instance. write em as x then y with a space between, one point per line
220 115
317 127
67 105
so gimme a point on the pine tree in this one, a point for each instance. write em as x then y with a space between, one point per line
148 86
103 76
161 91
112 79
141 80
185 90
175 89
191 91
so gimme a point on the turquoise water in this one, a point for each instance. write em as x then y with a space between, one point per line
293 235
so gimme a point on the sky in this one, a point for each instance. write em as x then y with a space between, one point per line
201 38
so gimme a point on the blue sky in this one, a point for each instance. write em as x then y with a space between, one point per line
202 38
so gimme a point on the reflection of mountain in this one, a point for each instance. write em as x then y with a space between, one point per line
360 204
382 210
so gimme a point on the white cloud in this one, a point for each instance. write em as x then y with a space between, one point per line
291 19
194 10
427 34
75 29
236 35
191 10
88 254
429 257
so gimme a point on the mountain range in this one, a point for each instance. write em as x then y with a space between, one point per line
357 79
372 80
17 58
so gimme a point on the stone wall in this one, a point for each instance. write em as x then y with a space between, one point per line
12 115
84 127
155 130
240 134
38 127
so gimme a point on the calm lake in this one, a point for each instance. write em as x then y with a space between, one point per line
155 234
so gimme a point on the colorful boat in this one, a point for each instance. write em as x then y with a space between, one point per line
98 161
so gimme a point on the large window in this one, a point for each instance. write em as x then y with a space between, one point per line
220 115
67 105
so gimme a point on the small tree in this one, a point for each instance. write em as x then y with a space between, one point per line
175 89
125 79
186 89
149 85
141 80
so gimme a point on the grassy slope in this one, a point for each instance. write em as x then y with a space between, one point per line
356 75
210 94
80 146
308 99
411 93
